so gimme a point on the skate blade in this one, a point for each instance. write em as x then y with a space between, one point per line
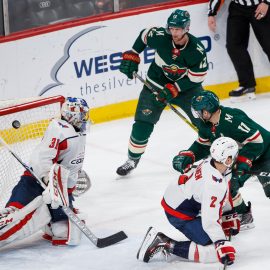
147 241
245 97
246 227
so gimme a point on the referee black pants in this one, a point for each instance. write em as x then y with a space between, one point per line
238 31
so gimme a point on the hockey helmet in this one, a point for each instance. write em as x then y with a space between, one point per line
205 100
76 112
179 19
222 148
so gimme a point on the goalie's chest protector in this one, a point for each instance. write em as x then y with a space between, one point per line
71 153
71 150
60 144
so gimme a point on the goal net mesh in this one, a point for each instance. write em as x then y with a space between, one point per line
22 125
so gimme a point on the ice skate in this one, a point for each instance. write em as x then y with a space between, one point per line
242 94
246 219
153 243
127 167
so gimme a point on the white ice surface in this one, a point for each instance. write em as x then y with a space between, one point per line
132 204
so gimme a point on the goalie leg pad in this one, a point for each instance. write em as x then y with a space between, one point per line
25 222
63 232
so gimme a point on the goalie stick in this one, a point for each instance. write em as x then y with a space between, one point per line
98 242
151 88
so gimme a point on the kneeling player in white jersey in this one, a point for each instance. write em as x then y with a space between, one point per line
57 160
196 205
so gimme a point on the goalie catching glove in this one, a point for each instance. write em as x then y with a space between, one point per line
130 63
183 161
56 193
165 95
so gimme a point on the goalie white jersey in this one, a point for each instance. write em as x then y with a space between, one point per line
60 144
202 191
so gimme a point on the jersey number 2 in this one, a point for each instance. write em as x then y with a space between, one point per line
214 199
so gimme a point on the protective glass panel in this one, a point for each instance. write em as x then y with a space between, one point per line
1 19
103 6
27 14
126 4
22 125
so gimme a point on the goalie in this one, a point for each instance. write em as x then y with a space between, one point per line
57 160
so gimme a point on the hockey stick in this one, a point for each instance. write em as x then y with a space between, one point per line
98 242
258 173
151 88
226 262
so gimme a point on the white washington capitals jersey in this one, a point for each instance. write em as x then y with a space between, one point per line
60 144
200 192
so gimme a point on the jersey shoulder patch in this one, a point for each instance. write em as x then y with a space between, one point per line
60 127
63 125
216 179
156 32
155 37
60 123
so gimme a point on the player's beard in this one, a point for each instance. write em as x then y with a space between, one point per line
179 39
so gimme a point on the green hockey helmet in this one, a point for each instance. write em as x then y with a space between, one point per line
179 19
205 100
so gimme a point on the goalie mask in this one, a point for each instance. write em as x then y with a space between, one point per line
205 100
222 148
76 112
179 19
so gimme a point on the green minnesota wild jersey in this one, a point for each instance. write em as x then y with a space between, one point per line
184 66
252 138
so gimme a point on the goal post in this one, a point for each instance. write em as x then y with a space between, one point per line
22 126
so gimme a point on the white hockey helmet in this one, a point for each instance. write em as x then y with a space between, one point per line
222 148
76 112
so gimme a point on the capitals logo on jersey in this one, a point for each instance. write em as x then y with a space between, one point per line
218 180
173 72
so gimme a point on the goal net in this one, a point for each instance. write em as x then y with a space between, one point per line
22 125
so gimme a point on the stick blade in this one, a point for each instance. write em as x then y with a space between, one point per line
111 240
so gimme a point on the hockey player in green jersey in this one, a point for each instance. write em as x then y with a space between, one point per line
177 72
253 139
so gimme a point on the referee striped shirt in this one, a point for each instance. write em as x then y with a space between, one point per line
214 5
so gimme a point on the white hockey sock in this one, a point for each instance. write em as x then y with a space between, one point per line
204 254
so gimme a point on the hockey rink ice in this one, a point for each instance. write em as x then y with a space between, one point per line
132 203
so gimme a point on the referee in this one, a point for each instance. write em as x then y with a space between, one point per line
242 14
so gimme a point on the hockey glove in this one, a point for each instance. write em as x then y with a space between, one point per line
56 193
166 94
242 167
225 251
130 63
183 161
230 223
